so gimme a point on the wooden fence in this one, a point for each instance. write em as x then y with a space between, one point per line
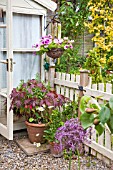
68 85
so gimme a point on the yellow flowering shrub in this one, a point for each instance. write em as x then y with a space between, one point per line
110 62
101 26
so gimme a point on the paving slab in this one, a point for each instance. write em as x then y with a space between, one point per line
31 149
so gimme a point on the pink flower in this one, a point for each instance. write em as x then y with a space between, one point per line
26 106
30 106
56 41
60 41
71 46
49 36
66 47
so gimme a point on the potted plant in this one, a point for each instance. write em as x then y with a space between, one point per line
57 119
34 100
54 47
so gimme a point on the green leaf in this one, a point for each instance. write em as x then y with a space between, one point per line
110 123
83 103
100 128
86 120
104 114
37 115
31 119
111 103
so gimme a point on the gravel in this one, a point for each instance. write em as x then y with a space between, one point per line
13 158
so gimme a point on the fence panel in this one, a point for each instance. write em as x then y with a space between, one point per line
101 145
66 84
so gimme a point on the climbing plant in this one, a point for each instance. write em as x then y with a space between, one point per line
101 25
72 15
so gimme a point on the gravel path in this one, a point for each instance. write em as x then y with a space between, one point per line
13 158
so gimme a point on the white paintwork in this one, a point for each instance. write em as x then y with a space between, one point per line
67 89
30 6
48 4
101 149
20 43
7 131
100 145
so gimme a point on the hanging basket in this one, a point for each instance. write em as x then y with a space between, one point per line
55 53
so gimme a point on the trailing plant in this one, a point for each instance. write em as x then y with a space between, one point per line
47 43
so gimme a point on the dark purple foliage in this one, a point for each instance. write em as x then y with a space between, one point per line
53 99
29 96
72 135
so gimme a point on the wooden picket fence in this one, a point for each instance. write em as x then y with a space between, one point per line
68 85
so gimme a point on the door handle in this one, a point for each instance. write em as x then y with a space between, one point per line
4 61
7 62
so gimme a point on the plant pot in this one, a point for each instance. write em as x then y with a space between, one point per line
35 132
54 149
55 53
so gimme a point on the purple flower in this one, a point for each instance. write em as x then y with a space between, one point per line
72 135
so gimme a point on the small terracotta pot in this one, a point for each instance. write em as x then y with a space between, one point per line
35 132
54 149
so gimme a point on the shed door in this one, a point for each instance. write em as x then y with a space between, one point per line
26 31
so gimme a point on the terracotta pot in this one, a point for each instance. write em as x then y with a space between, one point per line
55 53
54 149
35 132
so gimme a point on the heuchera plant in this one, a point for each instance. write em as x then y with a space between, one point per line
71 137
47 43
34 101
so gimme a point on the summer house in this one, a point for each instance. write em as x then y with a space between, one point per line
22 23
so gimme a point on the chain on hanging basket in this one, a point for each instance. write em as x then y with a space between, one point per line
55 52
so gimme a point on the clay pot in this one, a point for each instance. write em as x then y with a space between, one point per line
35 132
54 149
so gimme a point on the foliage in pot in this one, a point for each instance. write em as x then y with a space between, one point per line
48 43
34 100
57 119
95 114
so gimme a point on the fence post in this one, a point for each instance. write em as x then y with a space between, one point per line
51 75
84 80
